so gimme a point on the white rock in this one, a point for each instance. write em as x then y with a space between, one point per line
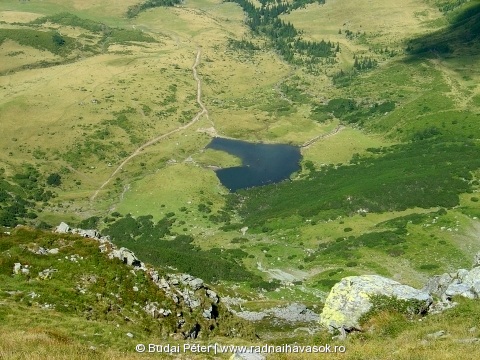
17 267
63 228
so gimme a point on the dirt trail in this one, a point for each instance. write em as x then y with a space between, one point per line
323 136
139 150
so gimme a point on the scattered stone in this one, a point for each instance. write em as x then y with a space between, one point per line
472 329
437 335
46 274
152 309
130 335
468 341
74 258
440 306
251 315
294 313
39 251
14 292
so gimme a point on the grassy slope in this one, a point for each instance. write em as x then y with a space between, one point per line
85 307
93 329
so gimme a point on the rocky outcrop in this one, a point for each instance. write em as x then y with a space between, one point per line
445 287
127 256
463 282
63 228
350 299
184 289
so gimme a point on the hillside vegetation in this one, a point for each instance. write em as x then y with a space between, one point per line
106 111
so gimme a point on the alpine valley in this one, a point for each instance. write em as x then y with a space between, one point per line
243 179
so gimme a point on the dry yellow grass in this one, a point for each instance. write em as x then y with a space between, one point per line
14 55
18 16
388 20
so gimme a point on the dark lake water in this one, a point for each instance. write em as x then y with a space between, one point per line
261 163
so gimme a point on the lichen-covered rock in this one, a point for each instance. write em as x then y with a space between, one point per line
350 299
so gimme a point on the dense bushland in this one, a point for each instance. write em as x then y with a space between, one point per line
23 194
153 243
423 174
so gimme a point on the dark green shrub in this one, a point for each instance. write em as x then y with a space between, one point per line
54 179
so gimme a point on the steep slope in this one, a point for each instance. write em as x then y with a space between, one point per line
102 294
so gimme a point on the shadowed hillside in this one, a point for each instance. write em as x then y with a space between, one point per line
461 37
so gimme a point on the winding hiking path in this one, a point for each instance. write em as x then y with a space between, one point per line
139 150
